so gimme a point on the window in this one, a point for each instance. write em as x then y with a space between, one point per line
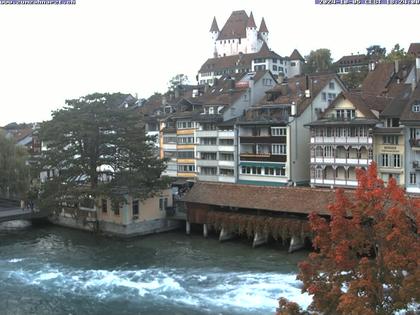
116 209
104 206
319 173
324 96
226 156
169 154
345 113
396 161
226 172
413 133
211 110
163 203
168 139
278 149
225 141
184 124
274 171
383 160
413 179
274 60
251 170
208 141
185 140
186 168
268 82
245 97
329 151
211 156
274 68
278 131
416 108
135 208
293 64
185 154
390 139
208 171
332 85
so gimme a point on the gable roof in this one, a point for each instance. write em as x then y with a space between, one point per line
280 199
295 55
237 61
408 115
294 90
353 60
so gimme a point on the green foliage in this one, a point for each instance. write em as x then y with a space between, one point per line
14 171
179 79
318 61
97 148
398 53
376 52
354 79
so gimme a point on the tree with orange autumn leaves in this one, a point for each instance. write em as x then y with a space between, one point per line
367 255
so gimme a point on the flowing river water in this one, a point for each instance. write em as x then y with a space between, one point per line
53 270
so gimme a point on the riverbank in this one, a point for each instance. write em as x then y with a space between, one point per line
62 270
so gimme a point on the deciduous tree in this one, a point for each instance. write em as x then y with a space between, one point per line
318 61
14 171
367 256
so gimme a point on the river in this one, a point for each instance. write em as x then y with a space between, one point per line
53 270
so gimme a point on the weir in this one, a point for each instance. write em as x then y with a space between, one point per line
259 239
225 235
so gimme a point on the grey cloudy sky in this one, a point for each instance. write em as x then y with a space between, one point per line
52 53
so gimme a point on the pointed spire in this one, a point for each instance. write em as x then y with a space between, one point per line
214 27
263 27
251 22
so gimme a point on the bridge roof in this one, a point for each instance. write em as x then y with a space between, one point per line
302 200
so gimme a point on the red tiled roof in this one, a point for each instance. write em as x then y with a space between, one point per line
408 115
237 61
414 49
235 26
282 199
263 27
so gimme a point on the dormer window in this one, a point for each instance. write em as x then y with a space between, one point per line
211 110
416 107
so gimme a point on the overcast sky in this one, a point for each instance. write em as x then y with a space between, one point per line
52 53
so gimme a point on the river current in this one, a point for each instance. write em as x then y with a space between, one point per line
52 270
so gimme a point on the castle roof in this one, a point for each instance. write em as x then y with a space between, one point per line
235 26
263 27
296 55
214 27
251 22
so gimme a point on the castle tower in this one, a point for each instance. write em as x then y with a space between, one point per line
251 35
263 31
214 33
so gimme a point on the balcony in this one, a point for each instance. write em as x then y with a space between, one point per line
345 161
265 157
349 140
226 163
263 139
207 148
415 144
226 134
206 133
202 162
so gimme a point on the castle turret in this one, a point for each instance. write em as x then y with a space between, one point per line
263 31
214 33
251 35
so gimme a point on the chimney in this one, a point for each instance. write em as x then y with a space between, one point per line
396 66
163 100
177 91
307 87
372 66
418 68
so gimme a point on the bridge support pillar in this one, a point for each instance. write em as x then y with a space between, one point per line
225 235
259 239
187 227
296 243
205 230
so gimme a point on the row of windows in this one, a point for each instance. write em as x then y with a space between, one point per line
390 160
278 131
185 124
186 168
340 132
268 171
135 206
390 140
213 171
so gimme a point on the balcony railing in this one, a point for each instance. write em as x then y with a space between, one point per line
350 140
415 143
